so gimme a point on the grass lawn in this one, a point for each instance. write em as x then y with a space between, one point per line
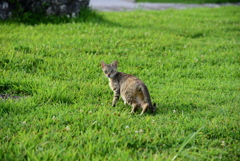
190 1
189 59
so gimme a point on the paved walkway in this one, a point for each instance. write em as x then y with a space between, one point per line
128 5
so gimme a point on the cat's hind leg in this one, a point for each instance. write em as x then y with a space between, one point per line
144 107
134 107
124 100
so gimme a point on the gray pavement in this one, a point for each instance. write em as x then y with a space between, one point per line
128 5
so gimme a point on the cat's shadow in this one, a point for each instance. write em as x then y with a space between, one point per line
166 109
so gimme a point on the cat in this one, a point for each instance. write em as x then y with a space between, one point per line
132 90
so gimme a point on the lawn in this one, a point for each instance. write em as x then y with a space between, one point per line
190 1
189 59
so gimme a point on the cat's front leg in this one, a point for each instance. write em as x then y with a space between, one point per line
115 97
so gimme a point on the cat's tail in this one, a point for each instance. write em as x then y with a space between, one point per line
147 97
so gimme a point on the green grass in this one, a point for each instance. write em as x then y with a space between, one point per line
190 1
189 59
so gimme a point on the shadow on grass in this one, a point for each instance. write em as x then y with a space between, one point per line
14 90
180 107
85 16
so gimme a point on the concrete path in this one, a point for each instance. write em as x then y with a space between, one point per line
128 5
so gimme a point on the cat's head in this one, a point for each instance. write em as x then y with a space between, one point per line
110 70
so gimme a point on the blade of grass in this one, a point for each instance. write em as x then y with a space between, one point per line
185 143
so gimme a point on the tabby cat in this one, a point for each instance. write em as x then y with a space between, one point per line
132 90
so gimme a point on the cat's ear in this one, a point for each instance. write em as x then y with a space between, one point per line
103 64
115 63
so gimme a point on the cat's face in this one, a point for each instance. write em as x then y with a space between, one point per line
110 70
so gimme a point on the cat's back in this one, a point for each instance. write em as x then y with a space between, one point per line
129 81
